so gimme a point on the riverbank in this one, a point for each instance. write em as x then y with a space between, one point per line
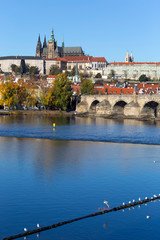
39 113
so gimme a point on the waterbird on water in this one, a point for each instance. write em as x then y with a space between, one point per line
147 217
123 203
139 199
146 198
129 202
154 196
133 200
105 202
38 225
25 229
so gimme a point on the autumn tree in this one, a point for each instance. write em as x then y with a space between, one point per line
12 94
62 92
87 87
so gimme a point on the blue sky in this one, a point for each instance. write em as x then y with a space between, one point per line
102 27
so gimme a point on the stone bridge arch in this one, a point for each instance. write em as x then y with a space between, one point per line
150 109
118 107
93 105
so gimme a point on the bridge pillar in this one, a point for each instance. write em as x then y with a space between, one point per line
132 110
103 108
82 107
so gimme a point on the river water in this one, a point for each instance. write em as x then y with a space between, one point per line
49 175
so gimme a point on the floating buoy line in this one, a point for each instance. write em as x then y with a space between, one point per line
100 212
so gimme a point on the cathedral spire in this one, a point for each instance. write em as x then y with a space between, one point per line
63 42
44 43
52 36
39 47
39 40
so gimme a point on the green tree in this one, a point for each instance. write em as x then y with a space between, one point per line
87 87
1 71
143 78
33 70
15 68
73 71
98 75
55 70
62 92
27 68
111 75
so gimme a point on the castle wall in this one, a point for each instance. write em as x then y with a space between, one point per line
5 64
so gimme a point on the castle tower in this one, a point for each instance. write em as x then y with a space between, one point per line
127 58
44 43
131 58
51 47
39 47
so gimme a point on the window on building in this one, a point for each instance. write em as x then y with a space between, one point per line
69 67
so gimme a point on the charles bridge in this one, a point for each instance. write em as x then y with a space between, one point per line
127 106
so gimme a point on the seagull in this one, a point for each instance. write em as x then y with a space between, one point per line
123 203
139 206
105 202
146 198
123 210
129 202
133 200
139 199
25 229
151 197
38 225
147 217
154 161
154 196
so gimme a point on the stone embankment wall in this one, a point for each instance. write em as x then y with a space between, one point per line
126 106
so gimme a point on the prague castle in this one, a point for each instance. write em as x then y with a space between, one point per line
51 50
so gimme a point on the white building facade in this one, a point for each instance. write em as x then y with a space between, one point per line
133 70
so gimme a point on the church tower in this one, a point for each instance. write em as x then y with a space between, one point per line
131 58
39 48
52 47
127 58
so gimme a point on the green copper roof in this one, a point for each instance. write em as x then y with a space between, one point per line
52 37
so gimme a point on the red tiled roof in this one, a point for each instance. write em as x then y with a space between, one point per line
98 59
51 76
134 63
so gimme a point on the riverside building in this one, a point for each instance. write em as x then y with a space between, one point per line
133 70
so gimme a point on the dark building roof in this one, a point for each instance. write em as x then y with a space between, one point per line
20 57
72 50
